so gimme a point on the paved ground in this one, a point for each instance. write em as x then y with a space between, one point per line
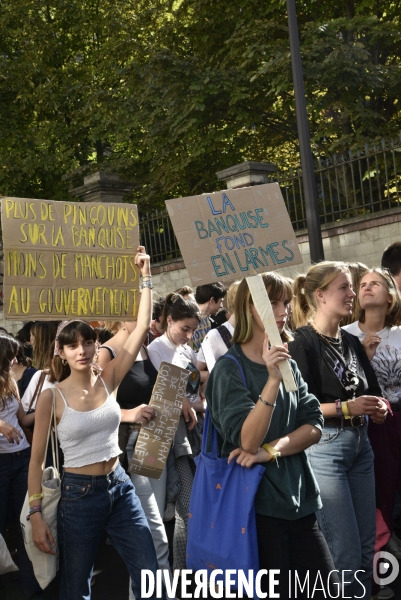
112 582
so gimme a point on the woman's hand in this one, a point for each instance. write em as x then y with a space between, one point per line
189 414
142 260
141 414
370 343
11 433
364 405
273 357
41 534
381 413
247 459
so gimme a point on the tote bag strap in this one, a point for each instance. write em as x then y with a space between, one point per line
208 425
52 433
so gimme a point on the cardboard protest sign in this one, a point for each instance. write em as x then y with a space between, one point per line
69 259
262 304
234 233
154 441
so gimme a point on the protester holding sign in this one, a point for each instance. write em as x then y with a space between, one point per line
262 423
334 365
180 318
133 396
97 494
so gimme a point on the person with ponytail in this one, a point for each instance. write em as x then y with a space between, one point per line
97 495
335 366
179 320
260 422
15 452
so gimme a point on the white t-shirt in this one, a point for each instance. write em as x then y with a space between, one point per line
161 349
386 361
213 346
9 414
30 390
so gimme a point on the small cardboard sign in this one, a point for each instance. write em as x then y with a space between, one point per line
65 260
232 234
154 441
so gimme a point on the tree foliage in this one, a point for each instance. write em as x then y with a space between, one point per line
166 92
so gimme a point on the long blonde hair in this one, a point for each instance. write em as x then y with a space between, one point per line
277 286
318 277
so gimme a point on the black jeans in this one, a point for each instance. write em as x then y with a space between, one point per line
300 553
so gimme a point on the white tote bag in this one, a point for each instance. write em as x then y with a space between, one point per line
45 565
7 565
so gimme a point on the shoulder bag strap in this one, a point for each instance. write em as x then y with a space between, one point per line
225 335
52 433
208 422
38 389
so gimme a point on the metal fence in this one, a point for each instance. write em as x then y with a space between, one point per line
363 182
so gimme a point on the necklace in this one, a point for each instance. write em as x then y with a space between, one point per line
336 342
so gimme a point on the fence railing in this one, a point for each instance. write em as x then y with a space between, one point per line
361 182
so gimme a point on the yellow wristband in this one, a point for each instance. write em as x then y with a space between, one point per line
275 454
344 408
36 497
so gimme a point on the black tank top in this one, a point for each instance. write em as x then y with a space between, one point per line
136 387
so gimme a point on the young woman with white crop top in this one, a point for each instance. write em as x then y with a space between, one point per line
97 495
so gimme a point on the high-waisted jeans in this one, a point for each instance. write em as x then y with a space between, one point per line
89 506
343 465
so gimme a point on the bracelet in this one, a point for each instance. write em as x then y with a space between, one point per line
275 454
147 276
36 497
33 510
146 284
266 403
344 408
339 409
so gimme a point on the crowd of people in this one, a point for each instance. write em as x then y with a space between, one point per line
330 493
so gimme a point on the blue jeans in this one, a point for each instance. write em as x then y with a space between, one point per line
343 465
13 489
89 506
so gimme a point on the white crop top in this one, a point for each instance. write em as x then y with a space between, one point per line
92 436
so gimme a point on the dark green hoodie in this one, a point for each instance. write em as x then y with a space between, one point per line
288 490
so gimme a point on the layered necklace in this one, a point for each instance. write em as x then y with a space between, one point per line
336 342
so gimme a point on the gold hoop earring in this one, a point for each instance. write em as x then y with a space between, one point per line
64 361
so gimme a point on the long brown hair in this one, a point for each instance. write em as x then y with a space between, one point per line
45 333
8 351
278 288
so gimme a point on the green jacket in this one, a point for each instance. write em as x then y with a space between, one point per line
288 490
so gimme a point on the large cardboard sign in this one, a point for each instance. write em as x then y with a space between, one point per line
155 439
69 259
231 234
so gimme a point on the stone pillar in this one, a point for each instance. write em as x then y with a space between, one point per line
102 187
246 174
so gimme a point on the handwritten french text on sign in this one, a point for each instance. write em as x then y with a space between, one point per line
234 233
69 259
155 438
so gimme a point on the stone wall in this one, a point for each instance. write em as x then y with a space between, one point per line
361 239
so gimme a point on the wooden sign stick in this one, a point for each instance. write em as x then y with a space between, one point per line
262 304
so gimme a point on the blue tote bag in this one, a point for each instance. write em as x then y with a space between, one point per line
222 525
